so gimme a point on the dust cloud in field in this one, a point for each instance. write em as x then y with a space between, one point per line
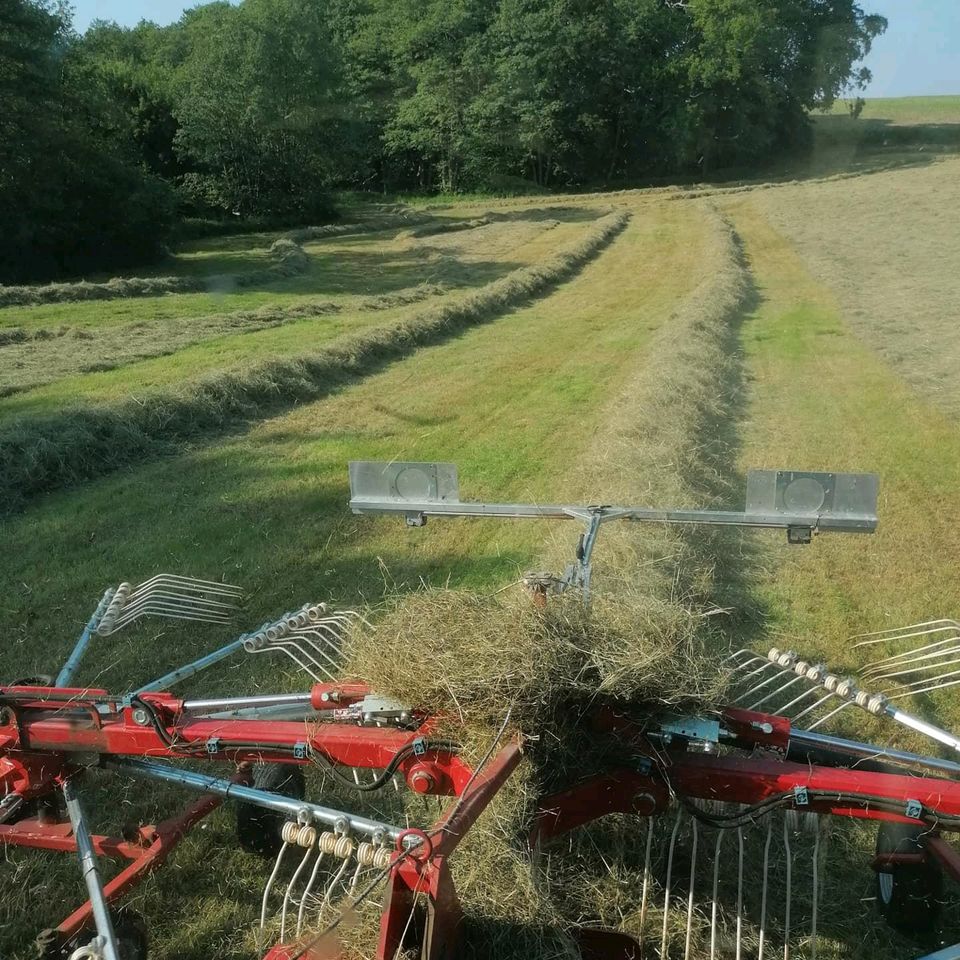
889 248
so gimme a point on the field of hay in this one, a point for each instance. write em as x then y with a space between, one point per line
639 346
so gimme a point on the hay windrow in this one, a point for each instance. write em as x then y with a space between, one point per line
33 358
373 224
290 259
41 453
646 644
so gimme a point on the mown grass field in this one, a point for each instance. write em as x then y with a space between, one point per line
836 353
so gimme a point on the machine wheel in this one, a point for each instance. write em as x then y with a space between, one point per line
41 680
258 830
130 930
908 896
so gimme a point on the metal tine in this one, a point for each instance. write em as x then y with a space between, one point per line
324 633
739 892
929 689
763 893
778 674
795 720
693 874
752 657
830 715
347 615
794 679
816 892
646 879
305 896
302 635
876 672
169 610
813 691
285 643
270 881
788 895
744 658
666 885
168 595
173 603
904 633
139 597
307 854
926 668
206 586
912 652
326 641
716 882
292 656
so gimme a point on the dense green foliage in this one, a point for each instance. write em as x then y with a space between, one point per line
258 109
72 196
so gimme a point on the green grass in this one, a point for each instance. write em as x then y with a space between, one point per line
201 332
513 403
821 399
525 404
906 110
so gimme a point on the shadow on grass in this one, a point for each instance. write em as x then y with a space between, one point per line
365 272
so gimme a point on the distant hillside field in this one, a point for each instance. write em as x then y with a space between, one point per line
907 110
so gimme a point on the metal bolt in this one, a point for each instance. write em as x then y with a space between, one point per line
141 717
421 782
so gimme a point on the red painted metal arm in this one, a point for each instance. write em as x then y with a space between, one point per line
746 780
95 725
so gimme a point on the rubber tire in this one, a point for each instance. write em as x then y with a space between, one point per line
908 896
258 830
41 680
130 930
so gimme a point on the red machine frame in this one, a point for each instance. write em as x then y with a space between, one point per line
47 734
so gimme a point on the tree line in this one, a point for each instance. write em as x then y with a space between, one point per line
259 110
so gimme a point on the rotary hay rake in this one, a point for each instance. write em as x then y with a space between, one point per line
716 788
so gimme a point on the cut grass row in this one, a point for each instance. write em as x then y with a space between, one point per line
341 268
195 275
662 439
42 453
288 260
48 356
515 402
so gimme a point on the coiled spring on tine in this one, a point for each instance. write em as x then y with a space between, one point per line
167 595
311 637
783 683
320 845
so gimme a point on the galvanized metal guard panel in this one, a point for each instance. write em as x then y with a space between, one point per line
800 502
403 482
800 493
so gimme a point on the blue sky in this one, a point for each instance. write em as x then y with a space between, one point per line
918 55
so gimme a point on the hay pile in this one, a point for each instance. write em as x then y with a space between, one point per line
647 642
474 658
